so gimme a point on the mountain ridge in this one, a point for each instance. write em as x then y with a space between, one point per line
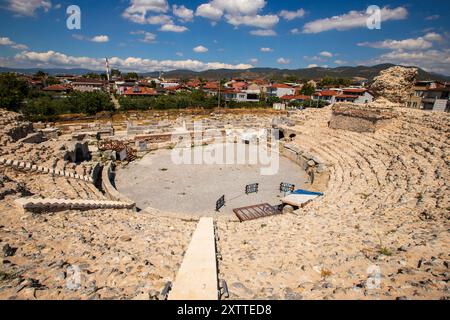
367 72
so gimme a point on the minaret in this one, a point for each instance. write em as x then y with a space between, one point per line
107 70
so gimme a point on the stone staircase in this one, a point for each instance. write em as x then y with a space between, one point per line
30 167
197 277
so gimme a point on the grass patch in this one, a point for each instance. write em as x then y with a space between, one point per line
385 251
325 273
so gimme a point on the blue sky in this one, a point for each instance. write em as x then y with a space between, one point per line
148 35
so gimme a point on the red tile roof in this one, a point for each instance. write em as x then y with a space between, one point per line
211 86
239 85
347 96
327 93
281 86
193 83
87 81
140 91
295 97
355 90
57 87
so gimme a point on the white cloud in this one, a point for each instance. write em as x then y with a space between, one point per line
56 59
408 44
295 31
291 15
5 41
148 36
19 47
420 43
266 50
314 58
138 9
254 61
183 13
179 54
326 54
265 22
433 17
173 28
238 12
239 7
206 10
101 38
352 19
433 36
283 61
430 60
159 19
28 7
312 66
200 49
340 62
263 33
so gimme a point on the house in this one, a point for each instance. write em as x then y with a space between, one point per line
328 96
240 96
437 99
419 90
279 90
295 98
166 85
176 89
138 91
88 85
58 90
211 88
346 98
194 84
357 95
122 86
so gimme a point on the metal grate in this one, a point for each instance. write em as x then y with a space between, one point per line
256 212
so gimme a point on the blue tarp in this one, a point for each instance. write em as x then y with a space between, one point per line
306 192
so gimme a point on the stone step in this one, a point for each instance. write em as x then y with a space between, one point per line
27 166
197 277
31 204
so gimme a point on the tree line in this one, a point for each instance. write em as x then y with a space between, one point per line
16 95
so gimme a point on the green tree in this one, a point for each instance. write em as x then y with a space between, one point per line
116 73
41 75
132 76
91 75
12 91
272 100
308 89
52 81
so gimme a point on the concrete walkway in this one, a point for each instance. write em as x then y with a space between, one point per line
197 276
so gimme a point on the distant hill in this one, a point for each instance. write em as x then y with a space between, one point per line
368 72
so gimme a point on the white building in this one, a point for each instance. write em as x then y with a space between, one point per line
280 90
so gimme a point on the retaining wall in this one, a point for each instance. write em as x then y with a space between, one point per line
108 177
